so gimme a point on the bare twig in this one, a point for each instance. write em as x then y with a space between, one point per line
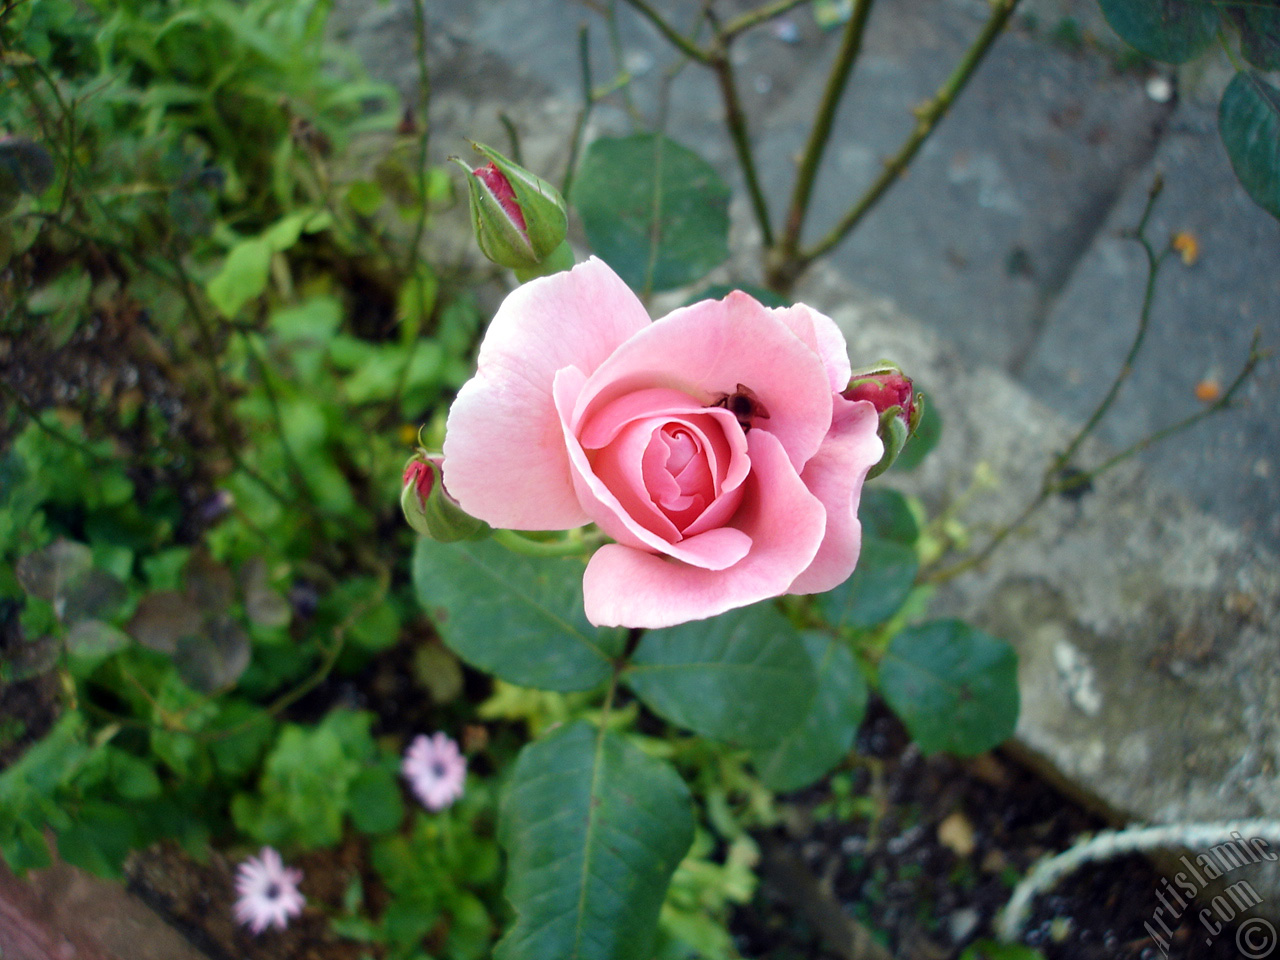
927 116
1060 476
674 36
753 18
820 132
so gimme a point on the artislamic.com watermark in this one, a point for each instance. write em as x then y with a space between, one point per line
1255 937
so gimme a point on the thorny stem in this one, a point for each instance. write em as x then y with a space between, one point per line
820 132
752 18
677 39
927 116
736 120
1256 356
1154 262
1058 476
623 79
588 102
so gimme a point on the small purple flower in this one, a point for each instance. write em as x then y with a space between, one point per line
435 769
268 892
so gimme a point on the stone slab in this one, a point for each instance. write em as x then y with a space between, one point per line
1147 630
1203 318
61 913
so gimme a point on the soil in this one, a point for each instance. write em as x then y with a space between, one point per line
923 865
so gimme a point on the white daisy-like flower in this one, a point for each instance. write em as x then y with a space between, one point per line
436 770
268 892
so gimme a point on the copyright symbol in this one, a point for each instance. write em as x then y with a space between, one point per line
1255 938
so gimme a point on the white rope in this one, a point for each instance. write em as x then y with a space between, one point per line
1112 843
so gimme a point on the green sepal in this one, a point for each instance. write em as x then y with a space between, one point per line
500 237
438 516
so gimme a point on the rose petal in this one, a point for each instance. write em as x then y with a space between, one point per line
785 522
714 549
706 350
504 457
820 333
835 476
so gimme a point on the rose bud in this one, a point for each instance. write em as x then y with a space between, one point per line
519 219
899 406
427 506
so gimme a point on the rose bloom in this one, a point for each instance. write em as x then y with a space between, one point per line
712 445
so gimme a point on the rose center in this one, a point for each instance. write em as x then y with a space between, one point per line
678 477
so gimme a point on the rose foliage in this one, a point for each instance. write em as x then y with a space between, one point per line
712 445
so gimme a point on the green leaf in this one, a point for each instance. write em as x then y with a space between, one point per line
376 806
955 687
1171 31
921 443
243 276
994 950
99 838
654 210
283 234
365 197
743 677
593 830
1249 121
306 781
1260 35
244 733
23 845
415 301
376 623
879 587
886 514
314 320
814 747
133 778
515 616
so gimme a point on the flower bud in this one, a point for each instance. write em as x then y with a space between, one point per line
899 406
427 506
519 219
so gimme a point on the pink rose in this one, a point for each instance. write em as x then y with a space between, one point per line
713 444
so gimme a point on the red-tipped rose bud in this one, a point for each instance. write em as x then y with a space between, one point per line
427 506
886 387
891 392
519 219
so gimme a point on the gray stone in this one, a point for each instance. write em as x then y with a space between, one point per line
1146 629
1203 318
